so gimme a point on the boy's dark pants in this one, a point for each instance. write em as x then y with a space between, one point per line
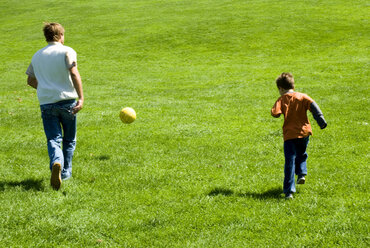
295 162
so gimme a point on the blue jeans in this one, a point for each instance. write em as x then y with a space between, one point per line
60 129
295 162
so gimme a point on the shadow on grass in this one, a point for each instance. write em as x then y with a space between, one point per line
103 157
274 193
28 184
221 191
269 194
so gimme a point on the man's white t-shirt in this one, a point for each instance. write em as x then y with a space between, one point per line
50 66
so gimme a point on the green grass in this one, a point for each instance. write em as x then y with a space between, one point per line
202 166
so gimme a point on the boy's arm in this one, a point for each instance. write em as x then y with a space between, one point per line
318 115
276 109
275 115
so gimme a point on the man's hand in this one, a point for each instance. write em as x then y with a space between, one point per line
32 81
78 106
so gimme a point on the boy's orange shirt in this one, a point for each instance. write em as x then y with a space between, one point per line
294 106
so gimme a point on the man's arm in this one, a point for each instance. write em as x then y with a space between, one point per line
32 81
77 83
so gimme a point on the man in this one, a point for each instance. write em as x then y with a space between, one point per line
53 72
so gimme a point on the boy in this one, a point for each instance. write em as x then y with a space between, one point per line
296 130
53 72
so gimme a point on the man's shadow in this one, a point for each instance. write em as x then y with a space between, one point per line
27 184
274 193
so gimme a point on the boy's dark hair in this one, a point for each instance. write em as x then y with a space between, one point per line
285 81
53 31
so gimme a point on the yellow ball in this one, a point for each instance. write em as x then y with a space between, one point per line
127 115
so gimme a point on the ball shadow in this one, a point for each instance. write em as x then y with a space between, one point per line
220 191
103 157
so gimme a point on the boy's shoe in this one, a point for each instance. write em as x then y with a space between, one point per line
289 196
56 179
301 180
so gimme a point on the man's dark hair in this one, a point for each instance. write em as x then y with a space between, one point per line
53 31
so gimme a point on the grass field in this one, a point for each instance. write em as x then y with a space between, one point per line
202 166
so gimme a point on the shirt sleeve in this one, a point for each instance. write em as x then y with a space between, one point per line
276 109
307 102
318 115
71 59
30 71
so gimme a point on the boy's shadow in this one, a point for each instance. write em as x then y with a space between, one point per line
28 184
274 193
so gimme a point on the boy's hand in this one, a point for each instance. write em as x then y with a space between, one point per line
78 106
324 125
